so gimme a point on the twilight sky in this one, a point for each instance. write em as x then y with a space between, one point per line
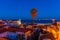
15 9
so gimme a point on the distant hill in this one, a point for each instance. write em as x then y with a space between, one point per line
37 21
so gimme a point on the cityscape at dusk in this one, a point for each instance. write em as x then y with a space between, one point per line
29 19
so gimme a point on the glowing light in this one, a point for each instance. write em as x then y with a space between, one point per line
19 22
28 33
55 30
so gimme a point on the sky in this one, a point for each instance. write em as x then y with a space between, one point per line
20 9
